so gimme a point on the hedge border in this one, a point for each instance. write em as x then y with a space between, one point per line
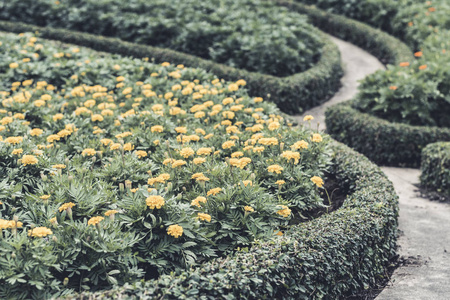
435 167
336 254
388 49
292 94
383 142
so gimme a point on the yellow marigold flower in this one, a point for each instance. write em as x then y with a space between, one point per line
57 117
95 220
291 155
204 217
29 160
88 152
66 206
39 232
156 142
275 169
115 146
279 233
186 152
141 153
13 140
204 151
175 230
237 154
111 212
284 212
199 160
308 118
13 65
208 136
44 197
127 91
214 191
317 181
316 138
53 220
280 182
157 128
228 114
17 151
202 179
248 208
64 133
53 137
120 78
228 144
168 161
200 131
6 120
233 87
300 145
19 116
258 149
36 132
258 99
273 126
164 176
247 182
198 200
178 163
39 103
128 147
97 117
181 129
268 141
59 166
196 175
155 202
106 142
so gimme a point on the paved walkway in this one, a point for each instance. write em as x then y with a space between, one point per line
424 225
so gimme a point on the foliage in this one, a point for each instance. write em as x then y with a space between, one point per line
257 36
383 142
377 13
329 257
292 93
385 47
103 160
435 167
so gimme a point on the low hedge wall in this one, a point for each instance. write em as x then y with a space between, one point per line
383 142
334 255
435 167
383 46
292 94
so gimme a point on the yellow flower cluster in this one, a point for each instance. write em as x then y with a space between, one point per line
40 232
175 230
95 220
155 202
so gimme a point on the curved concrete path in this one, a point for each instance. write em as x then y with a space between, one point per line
424 226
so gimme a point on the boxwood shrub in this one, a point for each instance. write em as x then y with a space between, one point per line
329 257
292 93
385 47
435 167
383 142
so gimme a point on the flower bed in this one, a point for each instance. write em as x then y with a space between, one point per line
114 168
300 89
435 167
329 257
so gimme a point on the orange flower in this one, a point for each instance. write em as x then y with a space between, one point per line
422 67
418 54
393 87
404 64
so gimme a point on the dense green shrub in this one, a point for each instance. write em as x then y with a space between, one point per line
257 36
331 256
385 47
381 141
129 169
435 167
377 13
292 94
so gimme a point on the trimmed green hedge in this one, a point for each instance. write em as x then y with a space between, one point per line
334 255
381 141
385 47
292 94
435 167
